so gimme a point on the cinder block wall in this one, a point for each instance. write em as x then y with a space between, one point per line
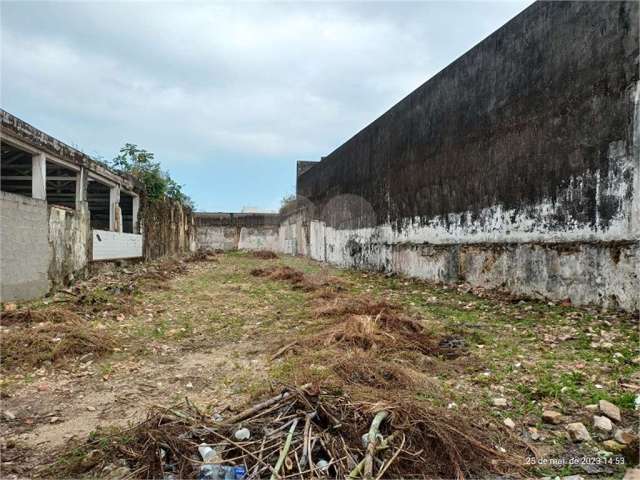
41 246
516 166
24 247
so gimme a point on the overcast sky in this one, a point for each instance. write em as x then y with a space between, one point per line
227 95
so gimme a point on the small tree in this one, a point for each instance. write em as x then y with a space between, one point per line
288 203
141 164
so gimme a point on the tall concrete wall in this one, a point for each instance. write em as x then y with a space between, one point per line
515 166
24 247
238 231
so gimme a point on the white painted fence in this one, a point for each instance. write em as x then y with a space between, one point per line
113 245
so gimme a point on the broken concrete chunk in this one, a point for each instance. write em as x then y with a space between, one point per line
509 423
578 432
602 424
499 402
534 434
551 416
613 446
610 410
623 436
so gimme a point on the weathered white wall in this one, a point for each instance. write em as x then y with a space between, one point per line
259 238
116 245
218 237
24 247
238 238
293 235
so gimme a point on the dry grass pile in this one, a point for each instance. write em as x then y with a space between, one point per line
31 346
383 332
364 368
305 433
342 305
28 316
203 255
264 254
328 286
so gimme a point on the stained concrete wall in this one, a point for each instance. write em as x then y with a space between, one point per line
515 166
42 246
24 247
238 231
69 244
168 228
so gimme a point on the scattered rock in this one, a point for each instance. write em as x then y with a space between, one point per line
632 474
623 436
10 307
610 410
613 446
578 432
602 424
91 459
551 416
573 477
9 415
54 419
91 409
119 474
534 434
499 402
509 423
592 407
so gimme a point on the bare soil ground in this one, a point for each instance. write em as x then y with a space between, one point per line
227 329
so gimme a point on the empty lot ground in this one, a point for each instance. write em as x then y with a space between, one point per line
208 330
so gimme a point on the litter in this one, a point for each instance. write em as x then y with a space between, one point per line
304 432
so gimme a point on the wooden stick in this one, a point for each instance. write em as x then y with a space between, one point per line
251 454
256 408
283 350
392 459
305 449
284 452
358 468
373 441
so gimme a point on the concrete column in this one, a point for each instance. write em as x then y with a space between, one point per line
82 184
39 176
115 217
136 209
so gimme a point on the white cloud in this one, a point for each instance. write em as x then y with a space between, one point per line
196 82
